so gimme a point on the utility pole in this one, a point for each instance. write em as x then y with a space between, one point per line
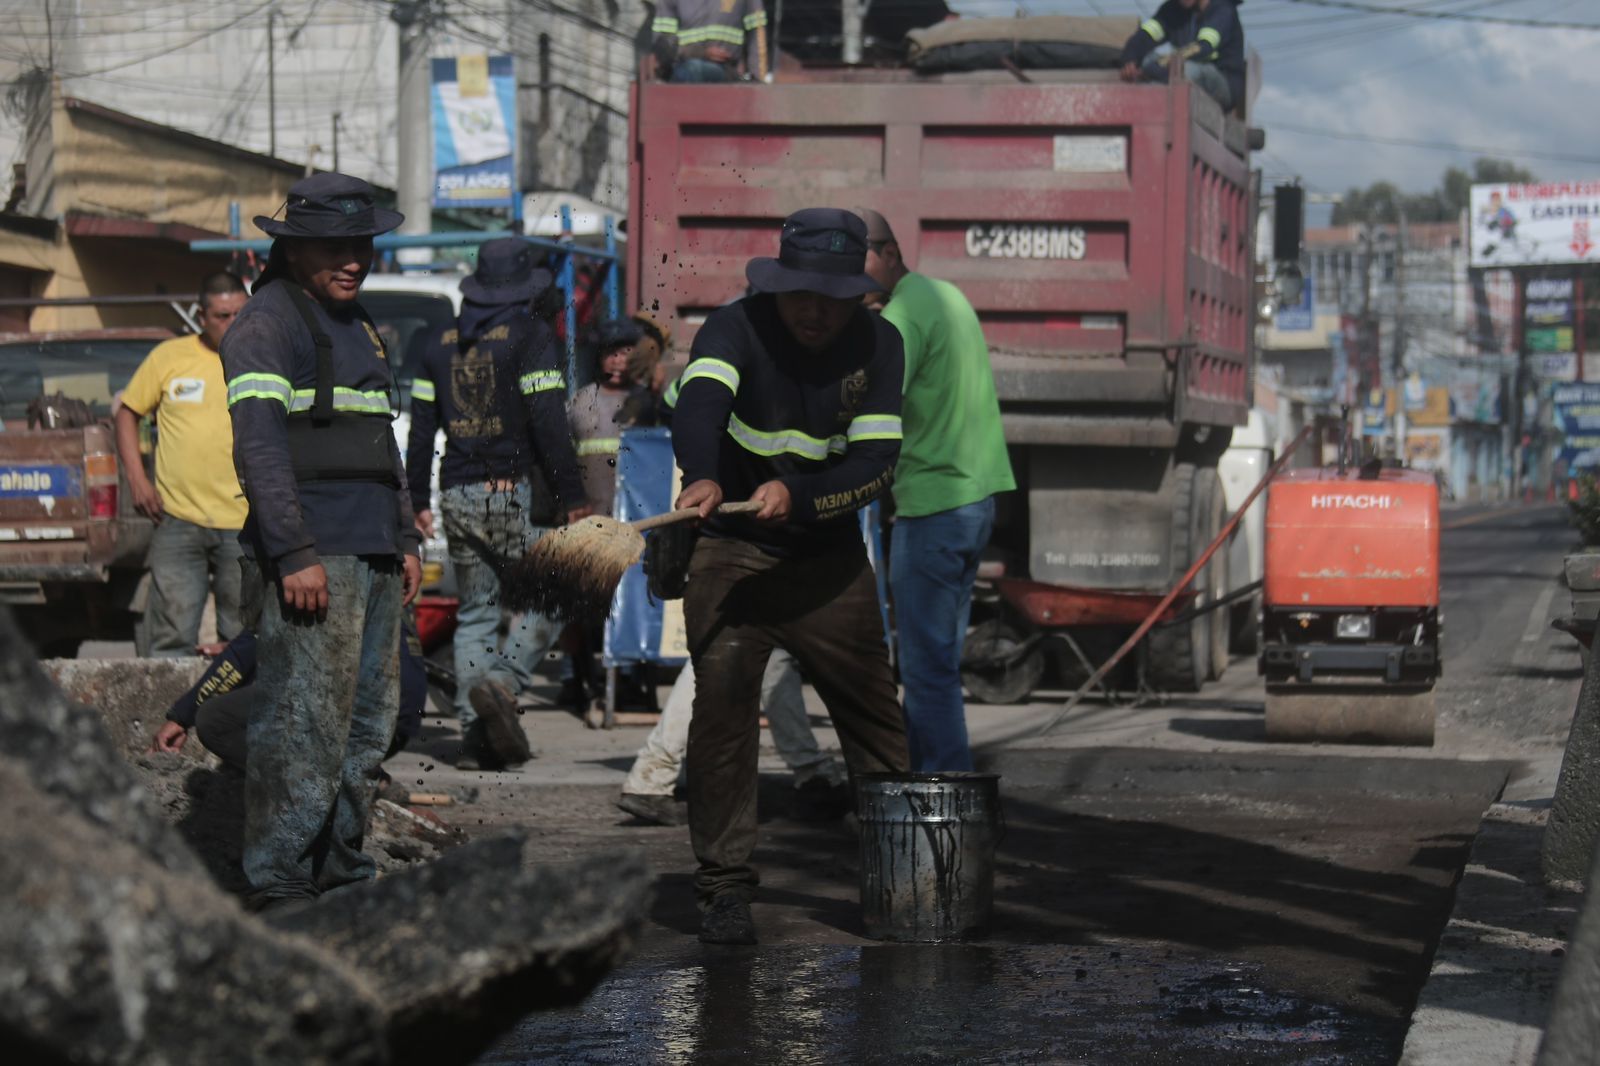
1400 337
413 128
336 117
851 17
272 87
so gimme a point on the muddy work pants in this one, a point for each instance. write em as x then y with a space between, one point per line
740 603
327 693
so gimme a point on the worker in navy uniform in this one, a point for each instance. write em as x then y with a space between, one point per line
1206 38
331 545
495 384
792 399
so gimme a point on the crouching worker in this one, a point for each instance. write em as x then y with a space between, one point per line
217 707
791 398
331 548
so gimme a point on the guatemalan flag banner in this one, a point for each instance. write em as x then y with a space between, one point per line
474 132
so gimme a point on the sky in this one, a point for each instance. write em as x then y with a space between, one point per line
1523 93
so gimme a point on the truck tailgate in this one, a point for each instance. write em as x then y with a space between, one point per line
45 529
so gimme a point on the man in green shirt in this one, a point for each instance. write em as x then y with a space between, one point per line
952 463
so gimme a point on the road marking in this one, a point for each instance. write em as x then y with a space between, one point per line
1485 516
1541 610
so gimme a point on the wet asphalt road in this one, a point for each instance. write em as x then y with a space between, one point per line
1196 896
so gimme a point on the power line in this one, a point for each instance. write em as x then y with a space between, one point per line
1499 152
1446 16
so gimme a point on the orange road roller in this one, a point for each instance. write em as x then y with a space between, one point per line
1350 619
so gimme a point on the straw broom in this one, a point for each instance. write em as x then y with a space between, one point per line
572 572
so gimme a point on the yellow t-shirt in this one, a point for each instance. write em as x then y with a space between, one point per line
181 381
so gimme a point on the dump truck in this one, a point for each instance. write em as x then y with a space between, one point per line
72 546
1350 618
1104 233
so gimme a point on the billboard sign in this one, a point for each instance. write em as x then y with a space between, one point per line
1577 416
474 132
1301 317
1535 225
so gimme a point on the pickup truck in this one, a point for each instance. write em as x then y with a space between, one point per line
72 546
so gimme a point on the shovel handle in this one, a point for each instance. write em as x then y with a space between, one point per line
672 518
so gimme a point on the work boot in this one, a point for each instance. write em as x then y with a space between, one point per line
728 921
658 810
573 695
497 713
475 752
820 800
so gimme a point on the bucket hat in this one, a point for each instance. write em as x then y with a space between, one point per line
507 272
616 333
821 250
330 205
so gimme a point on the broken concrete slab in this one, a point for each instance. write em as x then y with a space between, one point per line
107 957
461 948
69 754
115 946
132 695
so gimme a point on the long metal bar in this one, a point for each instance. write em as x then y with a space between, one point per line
1182 583
412 240
613 295
567 279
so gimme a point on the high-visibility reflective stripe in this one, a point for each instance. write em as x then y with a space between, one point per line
422 389
701 34
1153 27
542 381
714 370
259 387
1210 36
874 427
670 397
757 20
376 402
665 25
782 442
600 446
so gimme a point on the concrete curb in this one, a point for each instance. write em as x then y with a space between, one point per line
1493 977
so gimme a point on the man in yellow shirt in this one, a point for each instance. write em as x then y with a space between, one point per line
196 501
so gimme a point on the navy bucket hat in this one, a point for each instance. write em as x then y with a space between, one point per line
821 250
330 205
508 272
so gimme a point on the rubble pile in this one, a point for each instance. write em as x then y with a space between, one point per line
116 946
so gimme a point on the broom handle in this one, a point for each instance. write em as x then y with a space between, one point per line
674 517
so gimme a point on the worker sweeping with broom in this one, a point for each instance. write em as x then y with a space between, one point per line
791 400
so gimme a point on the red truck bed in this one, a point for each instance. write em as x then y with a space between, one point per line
1101 230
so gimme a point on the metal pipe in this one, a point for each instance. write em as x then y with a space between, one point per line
1182 583
567 279
613 297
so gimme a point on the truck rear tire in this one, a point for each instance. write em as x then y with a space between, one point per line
1180 655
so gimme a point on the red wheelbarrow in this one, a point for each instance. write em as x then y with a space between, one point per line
1005 656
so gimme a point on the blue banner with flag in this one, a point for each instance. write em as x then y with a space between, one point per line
474 132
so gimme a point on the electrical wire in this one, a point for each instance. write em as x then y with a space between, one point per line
1424 13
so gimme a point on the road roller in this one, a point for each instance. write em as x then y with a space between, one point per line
1350 605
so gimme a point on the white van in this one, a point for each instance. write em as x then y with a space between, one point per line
1242 466
410 310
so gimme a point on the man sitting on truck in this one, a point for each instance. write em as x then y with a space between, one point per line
703 40
195 502
952 463
1206 38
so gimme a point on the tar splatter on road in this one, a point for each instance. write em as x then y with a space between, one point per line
1244 904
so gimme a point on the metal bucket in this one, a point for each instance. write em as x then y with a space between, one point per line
927 854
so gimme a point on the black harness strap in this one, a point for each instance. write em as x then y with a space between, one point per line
322 401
